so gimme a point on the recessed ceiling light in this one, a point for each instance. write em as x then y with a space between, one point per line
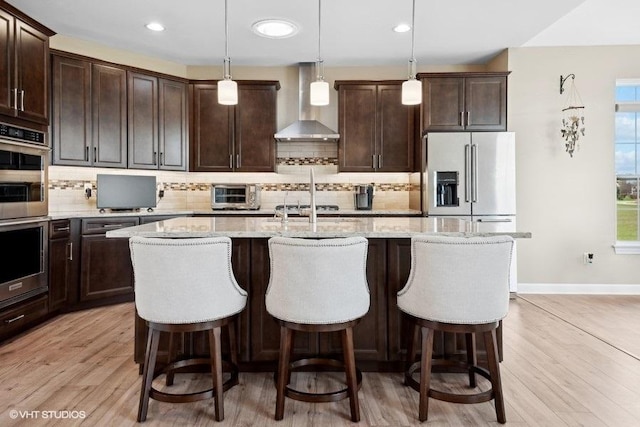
275 28
155 26
402 28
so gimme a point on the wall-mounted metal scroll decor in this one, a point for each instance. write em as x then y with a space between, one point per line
572 116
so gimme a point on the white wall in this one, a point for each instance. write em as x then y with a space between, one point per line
568 203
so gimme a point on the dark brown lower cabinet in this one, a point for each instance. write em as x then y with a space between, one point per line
105 271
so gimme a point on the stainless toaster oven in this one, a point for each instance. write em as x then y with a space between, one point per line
235 196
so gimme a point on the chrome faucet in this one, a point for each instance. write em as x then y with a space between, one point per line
312 190
311 212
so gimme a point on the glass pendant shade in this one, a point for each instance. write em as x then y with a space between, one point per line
412 92
227 92
319 93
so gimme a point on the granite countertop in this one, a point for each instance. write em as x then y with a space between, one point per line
232 213
326 227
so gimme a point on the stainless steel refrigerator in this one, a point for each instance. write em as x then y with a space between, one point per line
470 174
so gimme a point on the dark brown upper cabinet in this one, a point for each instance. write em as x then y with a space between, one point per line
24 69
157 122
377 131
464 101
89 114
233 138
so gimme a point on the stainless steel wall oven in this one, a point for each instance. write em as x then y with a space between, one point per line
24 161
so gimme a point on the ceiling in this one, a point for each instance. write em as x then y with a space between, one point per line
354 32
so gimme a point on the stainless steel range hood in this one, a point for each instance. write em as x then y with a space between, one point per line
306 128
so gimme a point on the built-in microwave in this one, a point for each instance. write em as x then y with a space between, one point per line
235 196
23 180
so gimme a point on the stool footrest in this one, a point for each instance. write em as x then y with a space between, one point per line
455 367
326 364
164 396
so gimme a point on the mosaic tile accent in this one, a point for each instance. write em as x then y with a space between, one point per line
307 161
205 186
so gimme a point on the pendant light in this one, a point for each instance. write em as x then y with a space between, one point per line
227 88
319 89
412 88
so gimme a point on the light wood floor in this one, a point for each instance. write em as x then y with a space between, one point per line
569 361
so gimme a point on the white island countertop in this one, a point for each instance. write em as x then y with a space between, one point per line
326 227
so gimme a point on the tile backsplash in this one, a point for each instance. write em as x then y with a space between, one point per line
191 191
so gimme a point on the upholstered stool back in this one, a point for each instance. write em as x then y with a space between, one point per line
185 280
184 286
317 286
317 281
458 280
457 285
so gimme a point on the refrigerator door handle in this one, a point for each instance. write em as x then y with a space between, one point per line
467 173
474 173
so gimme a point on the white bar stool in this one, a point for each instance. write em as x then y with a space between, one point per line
459 285
186 285
317 286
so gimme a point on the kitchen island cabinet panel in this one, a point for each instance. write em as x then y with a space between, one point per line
370 334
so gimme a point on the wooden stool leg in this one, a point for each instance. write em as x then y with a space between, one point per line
425 372
233 342
472 359
286 336
149 369
350 371
491 346
216 372
412 349
170 358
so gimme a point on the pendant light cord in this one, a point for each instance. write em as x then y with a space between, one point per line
413 30
319 65
226 31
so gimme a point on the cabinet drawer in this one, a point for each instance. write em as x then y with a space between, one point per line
59 229
15 318
102 225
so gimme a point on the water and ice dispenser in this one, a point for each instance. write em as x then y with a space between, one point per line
447 188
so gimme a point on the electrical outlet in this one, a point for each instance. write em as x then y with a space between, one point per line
87 190
588 257
160 190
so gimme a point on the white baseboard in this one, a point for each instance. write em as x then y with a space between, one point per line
577 288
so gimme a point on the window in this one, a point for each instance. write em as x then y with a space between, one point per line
627 161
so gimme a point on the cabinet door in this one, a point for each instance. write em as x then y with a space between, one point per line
357 127
486 103
212 131
105 268
109 116
59 265
71 124
443 104
255 125
395 131
7 84
173 119
32 65
142 95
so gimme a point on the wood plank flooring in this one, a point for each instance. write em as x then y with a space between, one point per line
569 360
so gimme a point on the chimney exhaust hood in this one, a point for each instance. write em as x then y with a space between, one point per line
306 128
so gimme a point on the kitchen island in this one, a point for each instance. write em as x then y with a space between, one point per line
380 338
